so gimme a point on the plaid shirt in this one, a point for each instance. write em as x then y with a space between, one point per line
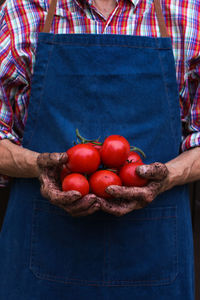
21 20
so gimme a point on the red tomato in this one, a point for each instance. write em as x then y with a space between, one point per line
133 157
114 151
76 182
83 158
129 176
100 180
64 172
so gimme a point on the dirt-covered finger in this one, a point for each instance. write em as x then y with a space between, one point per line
81 204
92 209
46 185
119 207
50 190
63 198
154 171
126 193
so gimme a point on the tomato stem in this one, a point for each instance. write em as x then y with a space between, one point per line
111 170
133 148
96 143
81 138
84 140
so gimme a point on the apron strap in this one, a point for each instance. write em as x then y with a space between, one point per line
161 19
158 9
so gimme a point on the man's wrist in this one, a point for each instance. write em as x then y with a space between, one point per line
16 161
31 161
175 176
184 168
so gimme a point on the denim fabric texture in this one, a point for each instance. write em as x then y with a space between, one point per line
103 85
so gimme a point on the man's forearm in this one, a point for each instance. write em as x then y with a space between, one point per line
184 168
16 161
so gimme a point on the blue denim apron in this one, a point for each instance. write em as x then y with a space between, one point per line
101 84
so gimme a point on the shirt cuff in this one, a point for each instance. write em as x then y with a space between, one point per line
4 134
191 141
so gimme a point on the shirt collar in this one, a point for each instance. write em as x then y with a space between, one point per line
135 2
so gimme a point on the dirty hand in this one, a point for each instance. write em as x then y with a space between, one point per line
131 198
49 165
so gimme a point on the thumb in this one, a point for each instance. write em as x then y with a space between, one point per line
154 171
47 160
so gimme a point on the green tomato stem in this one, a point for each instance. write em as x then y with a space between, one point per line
133 148
84 140
111 170
96 143
81 138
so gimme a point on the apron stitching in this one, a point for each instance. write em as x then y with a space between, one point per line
175 243
167 97
40 99
31 262
109 283
104 265
133 218
33 116
108 45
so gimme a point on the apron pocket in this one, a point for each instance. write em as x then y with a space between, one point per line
139 249
142 248
66 249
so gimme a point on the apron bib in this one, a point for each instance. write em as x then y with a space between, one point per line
103 85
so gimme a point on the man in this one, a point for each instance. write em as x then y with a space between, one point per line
114 71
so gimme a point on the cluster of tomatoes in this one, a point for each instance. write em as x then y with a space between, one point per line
93 166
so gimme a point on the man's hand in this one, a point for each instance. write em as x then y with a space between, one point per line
49 168
131 198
